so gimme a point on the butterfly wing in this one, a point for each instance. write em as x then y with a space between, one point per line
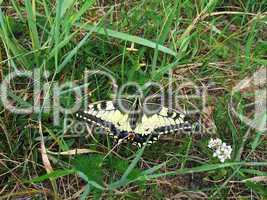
163 122
116 122
104 115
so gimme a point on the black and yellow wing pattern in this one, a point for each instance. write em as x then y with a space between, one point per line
139 128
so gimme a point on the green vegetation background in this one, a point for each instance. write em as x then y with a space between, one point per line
210 42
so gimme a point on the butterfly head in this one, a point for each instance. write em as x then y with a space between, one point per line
131 136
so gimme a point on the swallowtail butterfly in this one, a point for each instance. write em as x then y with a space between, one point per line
137 123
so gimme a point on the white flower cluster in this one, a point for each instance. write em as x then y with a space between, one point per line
221 150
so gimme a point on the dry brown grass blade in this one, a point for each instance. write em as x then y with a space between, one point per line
256 179
73 152
190 195
46 162
29 193
252 179
47 165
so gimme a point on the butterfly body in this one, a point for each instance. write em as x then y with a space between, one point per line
134 123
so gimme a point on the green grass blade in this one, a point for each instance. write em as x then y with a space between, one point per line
66 4
73 52
129 38
15 5
153 169
87 4
124 179
166 28
79 45
53 175
68 22
86 192
133 164
56 29
31 17
11 44
202 168
93 183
